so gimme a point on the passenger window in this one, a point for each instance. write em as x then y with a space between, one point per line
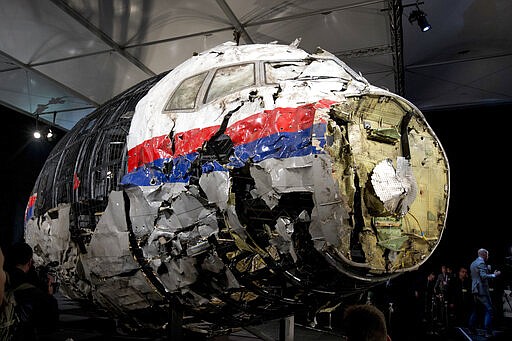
184 97
230 79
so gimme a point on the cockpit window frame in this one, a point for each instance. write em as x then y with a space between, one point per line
269 62
197 90
255 73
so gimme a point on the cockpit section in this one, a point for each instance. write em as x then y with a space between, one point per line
247 183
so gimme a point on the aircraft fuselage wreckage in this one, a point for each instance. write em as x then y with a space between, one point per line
248 183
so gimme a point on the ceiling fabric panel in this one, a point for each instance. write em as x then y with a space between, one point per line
37 32
36 94
166 56
98 77
464 60
66 119
136 22
377 69
327 34
463 29
6 63
338 28
470 82
255 11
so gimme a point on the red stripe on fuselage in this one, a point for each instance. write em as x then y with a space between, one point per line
279 120
256 126
160 146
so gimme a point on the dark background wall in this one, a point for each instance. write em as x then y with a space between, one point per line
22 158
477 143
475 139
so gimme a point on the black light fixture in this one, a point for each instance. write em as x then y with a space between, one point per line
37 133
50 136
421 18
49 133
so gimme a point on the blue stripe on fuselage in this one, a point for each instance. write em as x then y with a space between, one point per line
278 146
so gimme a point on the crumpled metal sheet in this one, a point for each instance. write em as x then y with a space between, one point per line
311 173
216 187
125 293
212 263
283 242
179 272
141 211
284 175
154 195
396 189
109 261
51 236
329 217
109 250
264 188
51 241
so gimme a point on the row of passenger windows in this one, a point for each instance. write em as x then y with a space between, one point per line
230 79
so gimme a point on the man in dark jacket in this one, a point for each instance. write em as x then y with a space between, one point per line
38 307
460 298
480 275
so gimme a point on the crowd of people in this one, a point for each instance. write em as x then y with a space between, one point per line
438 302
460 299
36 311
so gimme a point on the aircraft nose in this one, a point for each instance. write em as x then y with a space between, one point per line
393 180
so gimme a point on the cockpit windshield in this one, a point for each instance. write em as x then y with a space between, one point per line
304 70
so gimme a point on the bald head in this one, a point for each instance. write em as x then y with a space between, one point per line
365 322
483 253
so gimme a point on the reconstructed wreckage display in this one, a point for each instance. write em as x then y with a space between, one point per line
248 183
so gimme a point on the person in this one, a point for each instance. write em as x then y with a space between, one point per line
443 281
425 299
365 322
480 275
441 291
39 307
3 278
459 297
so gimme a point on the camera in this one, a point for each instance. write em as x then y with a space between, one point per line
48 272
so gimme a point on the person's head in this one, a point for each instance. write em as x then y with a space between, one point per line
443 269
364 322
431 276
2 277
463 273
20 256
483 253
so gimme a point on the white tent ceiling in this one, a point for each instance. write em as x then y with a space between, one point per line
61 59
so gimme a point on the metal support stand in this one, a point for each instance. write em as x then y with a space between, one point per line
175 329
286 328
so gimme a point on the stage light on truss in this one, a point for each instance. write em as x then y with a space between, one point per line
421 18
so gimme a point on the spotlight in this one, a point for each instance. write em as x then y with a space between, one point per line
49 135
421 18
37 133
